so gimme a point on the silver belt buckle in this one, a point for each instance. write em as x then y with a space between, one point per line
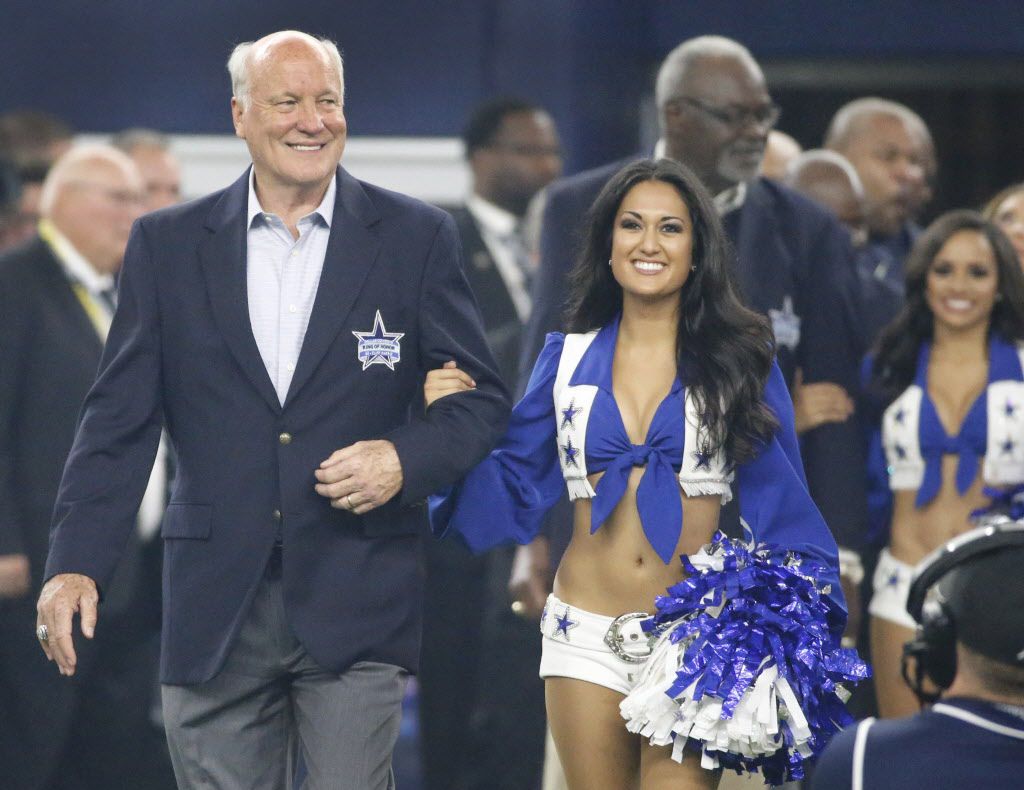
627 639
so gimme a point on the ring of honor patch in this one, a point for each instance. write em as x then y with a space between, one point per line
378 346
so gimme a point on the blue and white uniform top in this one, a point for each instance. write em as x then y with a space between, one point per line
907 448
748 666
568 426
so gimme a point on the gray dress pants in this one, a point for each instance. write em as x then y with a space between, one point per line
246 727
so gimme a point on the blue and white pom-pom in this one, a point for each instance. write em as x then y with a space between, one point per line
748 663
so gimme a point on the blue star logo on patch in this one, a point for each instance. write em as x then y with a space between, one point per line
1008 445
569 414
703 459
563 625
378 346
571 452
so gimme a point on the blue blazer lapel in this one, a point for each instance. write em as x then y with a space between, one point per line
222 255
351 252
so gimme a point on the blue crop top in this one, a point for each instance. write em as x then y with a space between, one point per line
505 497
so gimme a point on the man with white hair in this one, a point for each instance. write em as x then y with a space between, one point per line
56 301
281 328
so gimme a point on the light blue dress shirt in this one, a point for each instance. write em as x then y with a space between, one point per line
282 276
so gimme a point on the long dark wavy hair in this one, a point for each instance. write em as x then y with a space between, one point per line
896 351
724 351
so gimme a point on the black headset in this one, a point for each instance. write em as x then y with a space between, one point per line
933 648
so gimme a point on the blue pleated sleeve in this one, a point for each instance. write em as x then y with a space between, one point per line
775 502
505 497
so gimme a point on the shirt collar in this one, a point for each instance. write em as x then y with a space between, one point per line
494 219
76 266
725 201
325 209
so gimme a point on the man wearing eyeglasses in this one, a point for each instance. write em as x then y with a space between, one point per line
56 301
793 258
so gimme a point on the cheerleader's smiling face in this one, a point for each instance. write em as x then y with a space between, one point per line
962 282
652 242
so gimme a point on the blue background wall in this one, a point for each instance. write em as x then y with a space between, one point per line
415 68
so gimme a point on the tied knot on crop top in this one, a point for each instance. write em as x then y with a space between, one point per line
592 438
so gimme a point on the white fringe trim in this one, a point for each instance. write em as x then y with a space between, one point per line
703 487
579 488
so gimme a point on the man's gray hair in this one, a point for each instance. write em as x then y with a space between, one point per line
674 66
819 156
240 63
850 116
128 140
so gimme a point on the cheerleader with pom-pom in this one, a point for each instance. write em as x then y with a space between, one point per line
669 651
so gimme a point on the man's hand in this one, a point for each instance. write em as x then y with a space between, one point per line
530 580
819 403
14 575
361 476
62 596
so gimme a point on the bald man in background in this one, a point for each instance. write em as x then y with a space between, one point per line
56 302
891 149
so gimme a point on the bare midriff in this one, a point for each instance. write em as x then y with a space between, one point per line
616 570
916 532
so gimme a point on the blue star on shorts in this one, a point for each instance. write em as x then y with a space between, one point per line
563 624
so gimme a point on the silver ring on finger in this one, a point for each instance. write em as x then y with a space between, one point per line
348 502
43 633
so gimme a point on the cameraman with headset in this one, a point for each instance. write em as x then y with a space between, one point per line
968 659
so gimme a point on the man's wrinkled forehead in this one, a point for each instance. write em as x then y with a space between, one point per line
269 56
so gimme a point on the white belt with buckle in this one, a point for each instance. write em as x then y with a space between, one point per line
626 638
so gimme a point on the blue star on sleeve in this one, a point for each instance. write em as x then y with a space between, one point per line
1007 446
703 459
1010 409
571 451
569 414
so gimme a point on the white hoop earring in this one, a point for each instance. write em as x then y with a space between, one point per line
609 261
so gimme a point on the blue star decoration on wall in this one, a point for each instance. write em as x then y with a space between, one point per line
1008 445
563 624
570 452
569 414
378 346
703 459
1010 408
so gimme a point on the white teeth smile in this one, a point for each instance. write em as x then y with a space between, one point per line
648 266
959 304
306 147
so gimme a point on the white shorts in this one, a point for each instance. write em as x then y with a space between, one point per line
608 651
892 586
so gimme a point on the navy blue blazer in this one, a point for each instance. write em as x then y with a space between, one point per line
794 264
181 351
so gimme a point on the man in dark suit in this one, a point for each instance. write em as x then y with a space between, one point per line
280 328
55 305
479 661
793 259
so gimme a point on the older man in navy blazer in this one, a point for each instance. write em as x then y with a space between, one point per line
280 329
